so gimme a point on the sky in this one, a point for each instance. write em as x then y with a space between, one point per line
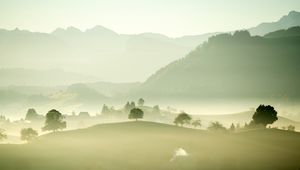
170 17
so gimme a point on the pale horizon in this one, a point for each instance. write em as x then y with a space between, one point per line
174 19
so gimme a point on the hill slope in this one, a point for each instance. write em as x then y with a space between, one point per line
145 145
231 66
290 32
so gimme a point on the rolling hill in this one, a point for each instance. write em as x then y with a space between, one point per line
146 145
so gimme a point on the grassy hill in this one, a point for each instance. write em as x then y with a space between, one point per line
146 145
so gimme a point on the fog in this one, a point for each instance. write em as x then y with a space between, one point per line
92 99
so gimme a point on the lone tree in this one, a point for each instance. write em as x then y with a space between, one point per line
136 114
197 123
183 118
54 121
141 102
28 134
31 115
264 115
2 134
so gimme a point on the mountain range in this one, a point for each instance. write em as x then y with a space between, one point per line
104 54
225 66
98 52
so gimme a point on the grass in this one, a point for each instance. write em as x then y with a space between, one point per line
146 145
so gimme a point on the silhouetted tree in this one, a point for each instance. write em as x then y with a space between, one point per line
132 105
127 107
291 128
216 126
105 110
136 114
156 109
28 134
141 102
2 134
264 115
183 118
31 115
197 123
3 119
232 128
54 121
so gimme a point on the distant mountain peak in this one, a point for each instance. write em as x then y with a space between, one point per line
69 30
290 20
17 30
154 36
74 29
293 13
98 29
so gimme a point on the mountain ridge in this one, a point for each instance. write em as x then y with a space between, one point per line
290 20
99 51
222 67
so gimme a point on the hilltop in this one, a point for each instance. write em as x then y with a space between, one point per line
146 145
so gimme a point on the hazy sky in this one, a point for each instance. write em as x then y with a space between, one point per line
170 17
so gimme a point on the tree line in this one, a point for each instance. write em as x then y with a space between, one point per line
54 121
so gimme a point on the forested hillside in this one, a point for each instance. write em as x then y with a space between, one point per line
232 66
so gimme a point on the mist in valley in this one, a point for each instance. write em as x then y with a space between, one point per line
94 85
